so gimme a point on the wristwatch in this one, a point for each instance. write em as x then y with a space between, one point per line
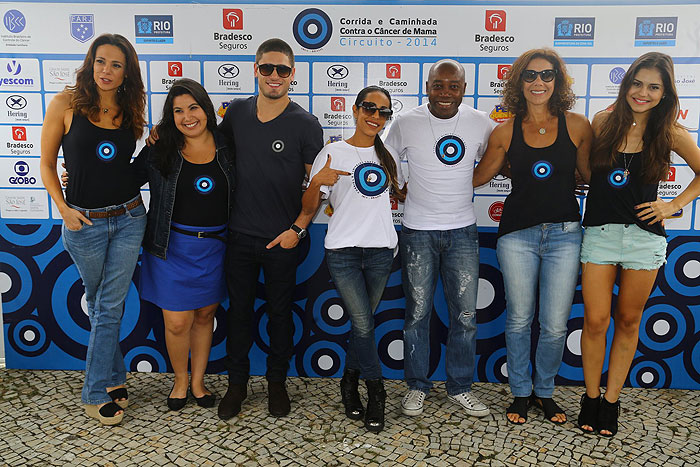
301 233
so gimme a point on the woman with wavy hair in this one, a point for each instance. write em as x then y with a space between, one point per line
539 236
98 121
624 231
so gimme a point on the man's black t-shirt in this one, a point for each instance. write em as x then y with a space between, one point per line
270 160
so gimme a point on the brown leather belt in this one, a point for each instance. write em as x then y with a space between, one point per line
112 213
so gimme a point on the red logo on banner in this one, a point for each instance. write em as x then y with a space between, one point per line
671 174
495 20
682 114
19 133
233 18
503 71
338 104
394 203
495 211
175 69
393 70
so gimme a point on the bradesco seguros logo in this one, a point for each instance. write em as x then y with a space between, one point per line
494 23
312 28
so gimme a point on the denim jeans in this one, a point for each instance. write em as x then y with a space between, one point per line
105 254
454 254
360 275
245 255
546 255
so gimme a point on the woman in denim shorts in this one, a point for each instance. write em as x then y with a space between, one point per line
624 231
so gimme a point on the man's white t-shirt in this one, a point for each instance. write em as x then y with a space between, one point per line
361 205
440 154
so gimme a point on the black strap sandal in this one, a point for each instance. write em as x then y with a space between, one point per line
549 407
519 406
589 413
608 413
119 393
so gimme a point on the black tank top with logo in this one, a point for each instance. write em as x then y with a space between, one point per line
612 195
97 160
543 182
201 196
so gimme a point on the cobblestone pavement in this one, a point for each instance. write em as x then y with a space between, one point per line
42 423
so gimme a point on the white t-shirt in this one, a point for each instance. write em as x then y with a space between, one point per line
440 154
361 206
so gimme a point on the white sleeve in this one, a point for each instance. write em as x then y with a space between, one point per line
318 164
399 169
393 139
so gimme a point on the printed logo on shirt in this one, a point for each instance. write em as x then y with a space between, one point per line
617 178
450 149
106 151
542 170
370 179
278 145
204 184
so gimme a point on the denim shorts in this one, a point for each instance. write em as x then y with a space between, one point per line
627 245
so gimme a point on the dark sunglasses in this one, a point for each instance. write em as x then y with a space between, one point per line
266 69
531 75
370 107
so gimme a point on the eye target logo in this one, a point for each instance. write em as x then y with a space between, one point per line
370 179
106 151
204 184
617 179
450 149
542 170
312 28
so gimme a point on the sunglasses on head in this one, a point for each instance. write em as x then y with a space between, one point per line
266 69
531 75
370 107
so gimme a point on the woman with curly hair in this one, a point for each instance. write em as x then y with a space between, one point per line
631 154
539 236
98 121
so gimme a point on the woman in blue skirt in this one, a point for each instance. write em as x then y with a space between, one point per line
190 175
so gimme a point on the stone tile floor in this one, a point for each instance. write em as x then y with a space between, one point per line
42 423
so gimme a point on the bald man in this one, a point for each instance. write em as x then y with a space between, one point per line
440 141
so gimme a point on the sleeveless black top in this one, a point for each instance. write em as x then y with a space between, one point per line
201 196
543 182
97 160
612 196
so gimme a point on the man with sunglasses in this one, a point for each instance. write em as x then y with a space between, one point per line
440 141
276 142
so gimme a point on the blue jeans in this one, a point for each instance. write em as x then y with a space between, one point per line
105 254
546 255
454 254
360 275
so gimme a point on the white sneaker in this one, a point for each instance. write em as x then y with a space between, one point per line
412 403
471 404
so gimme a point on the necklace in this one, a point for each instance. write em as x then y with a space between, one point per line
542 131
430 120
105 110
626 172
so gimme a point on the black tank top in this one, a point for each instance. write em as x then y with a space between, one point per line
543 182
97 160
201 196
612 196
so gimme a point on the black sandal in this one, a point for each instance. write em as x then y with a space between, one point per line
549 407
519 406
119 393
608 413
589 413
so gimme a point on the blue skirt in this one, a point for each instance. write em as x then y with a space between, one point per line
191 276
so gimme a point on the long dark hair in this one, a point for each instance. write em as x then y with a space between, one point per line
563 98
170 140
657 139
385 158
131 96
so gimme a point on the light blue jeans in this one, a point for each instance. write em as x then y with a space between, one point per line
105 254
454 255
544 257
360 275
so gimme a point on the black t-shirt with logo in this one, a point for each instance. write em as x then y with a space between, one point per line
201 196
270 170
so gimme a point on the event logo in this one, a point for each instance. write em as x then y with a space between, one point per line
19 133
393 70
671 176
14 21
338 104
495 211
396 105
278 145
574 32
22 171
655 31
106 151
337 71
617 178
495 20
14 67
502 71
16 102
499 114
616 75
312 28
82 27
21 168
228 71
175 69
204 184
370 179
232 18
450 149
154 29
542 170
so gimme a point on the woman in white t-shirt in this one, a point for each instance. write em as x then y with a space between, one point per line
357 175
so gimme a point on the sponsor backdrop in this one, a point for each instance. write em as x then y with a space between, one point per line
340 48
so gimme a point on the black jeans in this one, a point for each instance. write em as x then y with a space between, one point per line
245 256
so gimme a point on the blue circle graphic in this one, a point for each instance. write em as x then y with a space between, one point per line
370 179
106 151
14 21
312 28
204 184
450 149
617 179
542 170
